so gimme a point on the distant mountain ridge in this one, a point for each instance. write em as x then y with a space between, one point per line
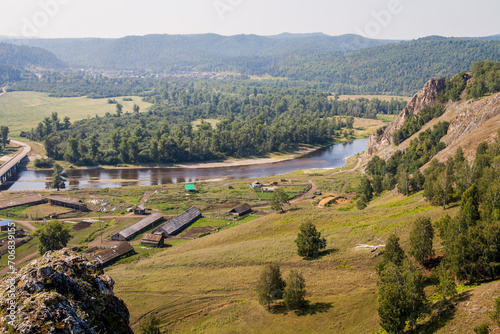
178 52
346 64
25 57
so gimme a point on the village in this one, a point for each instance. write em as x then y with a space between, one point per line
131 230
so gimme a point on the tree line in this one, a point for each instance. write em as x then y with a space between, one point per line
250 121
470 241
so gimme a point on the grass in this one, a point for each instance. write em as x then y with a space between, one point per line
22 111
9 150
364 127
207 285
291 191
386 118
213 122
380 97
21 252
217 198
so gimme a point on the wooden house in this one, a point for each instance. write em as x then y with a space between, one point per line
241 210
155 240
108 255
140 210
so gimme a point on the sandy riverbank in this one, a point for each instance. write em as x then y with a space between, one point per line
214 164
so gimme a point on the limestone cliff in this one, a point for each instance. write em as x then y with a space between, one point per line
62 292
471 122
425 97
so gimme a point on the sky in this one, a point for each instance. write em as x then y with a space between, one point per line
380 19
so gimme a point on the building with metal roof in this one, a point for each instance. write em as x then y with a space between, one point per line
156 240
132 231
190 187
241 210
179 223
25 200
113 253
67 202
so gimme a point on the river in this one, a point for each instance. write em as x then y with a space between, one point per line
326 158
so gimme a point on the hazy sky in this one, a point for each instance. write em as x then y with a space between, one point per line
390 19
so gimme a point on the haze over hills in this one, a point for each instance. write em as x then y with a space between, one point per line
164 52
347 64
28 57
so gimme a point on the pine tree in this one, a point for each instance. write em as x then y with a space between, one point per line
309 241
393 253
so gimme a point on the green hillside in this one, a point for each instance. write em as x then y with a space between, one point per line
27 57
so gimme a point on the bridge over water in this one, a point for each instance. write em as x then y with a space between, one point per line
9 169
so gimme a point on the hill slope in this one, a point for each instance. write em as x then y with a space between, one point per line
28 57
471 122
347 64
179 52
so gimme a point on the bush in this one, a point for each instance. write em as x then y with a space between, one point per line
482 329
44 163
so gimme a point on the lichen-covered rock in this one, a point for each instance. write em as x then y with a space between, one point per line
63 292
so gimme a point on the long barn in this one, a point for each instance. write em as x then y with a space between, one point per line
177 224
132 231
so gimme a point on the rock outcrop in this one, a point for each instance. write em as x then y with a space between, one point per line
471 123
62 292
425 97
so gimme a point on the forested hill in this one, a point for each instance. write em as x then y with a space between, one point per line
189 52
347 64
22 57
400 69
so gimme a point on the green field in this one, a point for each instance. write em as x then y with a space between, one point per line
208 285
380 97
213 123
21 111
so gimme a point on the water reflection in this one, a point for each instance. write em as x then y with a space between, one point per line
331 157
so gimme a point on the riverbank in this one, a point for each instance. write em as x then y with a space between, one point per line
231 162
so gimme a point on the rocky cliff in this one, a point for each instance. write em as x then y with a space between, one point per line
471 122
62 292
425 97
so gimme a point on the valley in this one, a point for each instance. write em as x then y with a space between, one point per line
292 183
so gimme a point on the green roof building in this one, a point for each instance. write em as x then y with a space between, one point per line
190 187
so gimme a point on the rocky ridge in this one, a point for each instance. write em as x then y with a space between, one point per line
471 122
425 97
63 292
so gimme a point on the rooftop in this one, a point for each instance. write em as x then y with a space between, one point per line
108 254
190 187
140 225
180 222
5 222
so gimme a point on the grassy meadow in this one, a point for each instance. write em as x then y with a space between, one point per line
24 110
207 285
